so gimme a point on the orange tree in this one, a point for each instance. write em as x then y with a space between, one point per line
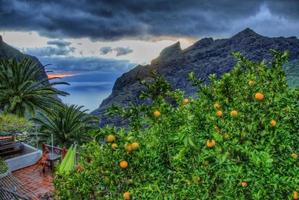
237 140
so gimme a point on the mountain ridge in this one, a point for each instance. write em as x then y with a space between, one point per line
8 52
204 57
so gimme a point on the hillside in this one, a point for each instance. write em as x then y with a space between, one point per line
7 51
204 57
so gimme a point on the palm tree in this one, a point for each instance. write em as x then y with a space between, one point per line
23 91
68 124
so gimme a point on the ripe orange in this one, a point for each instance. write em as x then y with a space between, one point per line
294 155
211 143
259 96
219 113
110 138
135 145
273 122
295 195
244 184
157 113
127 196
114 146
129 148
234 113
217 106
251 82
186 101
123 164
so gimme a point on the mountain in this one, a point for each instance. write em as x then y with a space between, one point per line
204 57
7 51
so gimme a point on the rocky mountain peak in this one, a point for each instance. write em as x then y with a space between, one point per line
246 33
1 40
206 56
169 54
171 50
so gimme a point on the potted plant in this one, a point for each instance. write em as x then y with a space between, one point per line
4 171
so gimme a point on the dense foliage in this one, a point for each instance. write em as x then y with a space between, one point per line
10 124
68 124
3 166
237 140
22 89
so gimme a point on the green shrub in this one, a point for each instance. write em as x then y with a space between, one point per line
188 152
10 124
3 166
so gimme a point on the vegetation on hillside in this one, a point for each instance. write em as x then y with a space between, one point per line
237 140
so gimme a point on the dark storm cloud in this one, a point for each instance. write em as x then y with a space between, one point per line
112 19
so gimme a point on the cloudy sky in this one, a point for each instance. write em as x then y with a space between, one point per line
92 42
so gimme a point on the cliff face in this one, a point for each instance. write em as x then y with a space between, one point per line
7 51
206 56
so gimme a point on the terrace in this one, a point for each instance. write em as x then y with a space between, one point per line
21 173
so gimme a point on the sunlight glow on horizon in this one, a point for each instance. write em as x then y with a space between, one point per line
59 75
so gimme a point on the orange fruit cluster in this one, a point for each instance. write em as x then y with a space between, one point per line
234 113
110 138
132 147
157 113
127 196
123 164
244 184
295 195
211 143
273 123
219 113
259 96
135 145
114 146
186 101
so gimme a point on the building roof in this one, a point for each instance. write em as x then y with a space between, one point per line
27 183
